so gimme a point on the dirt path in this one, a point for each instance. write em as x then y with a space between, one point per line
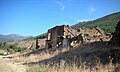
6 65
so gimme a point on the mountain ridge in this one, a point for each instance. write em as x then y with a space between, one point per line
12 37
107 22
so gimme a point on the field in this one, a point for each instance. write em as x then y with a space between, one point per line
93 57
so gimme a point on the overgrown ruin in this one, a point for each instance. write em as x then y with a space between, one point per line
64 36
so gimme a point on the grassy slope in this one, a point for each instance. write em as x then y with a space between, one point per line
94 57
108 22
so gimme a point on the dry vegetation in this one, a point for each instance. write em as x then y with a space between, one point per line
94 57
62 67
24 44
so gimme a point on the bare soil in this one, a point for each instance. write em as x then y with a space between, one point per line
6 65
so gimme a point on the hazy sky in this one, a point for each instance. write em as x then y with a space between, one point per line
34 17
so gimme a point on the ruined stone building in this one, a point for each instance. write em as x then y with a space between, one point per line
64 36
59 36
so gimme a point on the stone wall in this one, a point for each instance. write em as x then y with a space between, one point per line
40 43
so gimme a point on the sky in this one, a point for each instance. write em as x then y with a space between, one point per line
34 17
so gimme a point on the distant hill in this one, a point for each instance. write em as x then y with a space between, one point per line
44 35
11 37
108 23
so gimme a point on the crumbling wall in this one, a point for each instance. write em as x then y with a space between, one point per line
55 36
77 40
64 36
91 34
40 43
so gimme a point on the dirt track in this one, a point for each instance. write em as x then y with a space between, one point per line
6 65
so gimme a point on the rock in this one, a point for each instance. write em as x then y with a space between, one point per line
2 52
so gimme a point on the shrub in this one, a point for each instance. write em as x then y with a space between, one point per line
10 48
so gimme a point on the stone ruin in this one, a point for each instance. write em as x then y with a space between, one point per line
59 36
116 36
40 43
64 36
91 34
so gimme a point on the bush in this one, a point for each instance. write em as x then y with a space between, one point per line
10 48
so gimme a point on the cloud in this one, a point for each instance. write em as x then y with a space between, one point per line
81 20
92 9
85 20
62 3
64 22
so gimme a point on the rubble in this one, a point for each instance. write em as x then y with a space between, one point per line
64 36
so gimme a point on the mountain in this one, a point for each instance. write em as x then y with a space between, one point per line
11 37
108 23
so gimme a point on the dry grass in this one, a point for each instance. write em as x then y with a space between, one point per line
24 44
79 59
31 44
63 67
46 54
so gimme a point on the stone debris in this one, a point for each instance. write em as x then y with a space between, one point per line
64 36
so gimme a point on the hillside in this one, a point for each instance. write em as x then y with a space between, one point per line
44 35
108 22
11 37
